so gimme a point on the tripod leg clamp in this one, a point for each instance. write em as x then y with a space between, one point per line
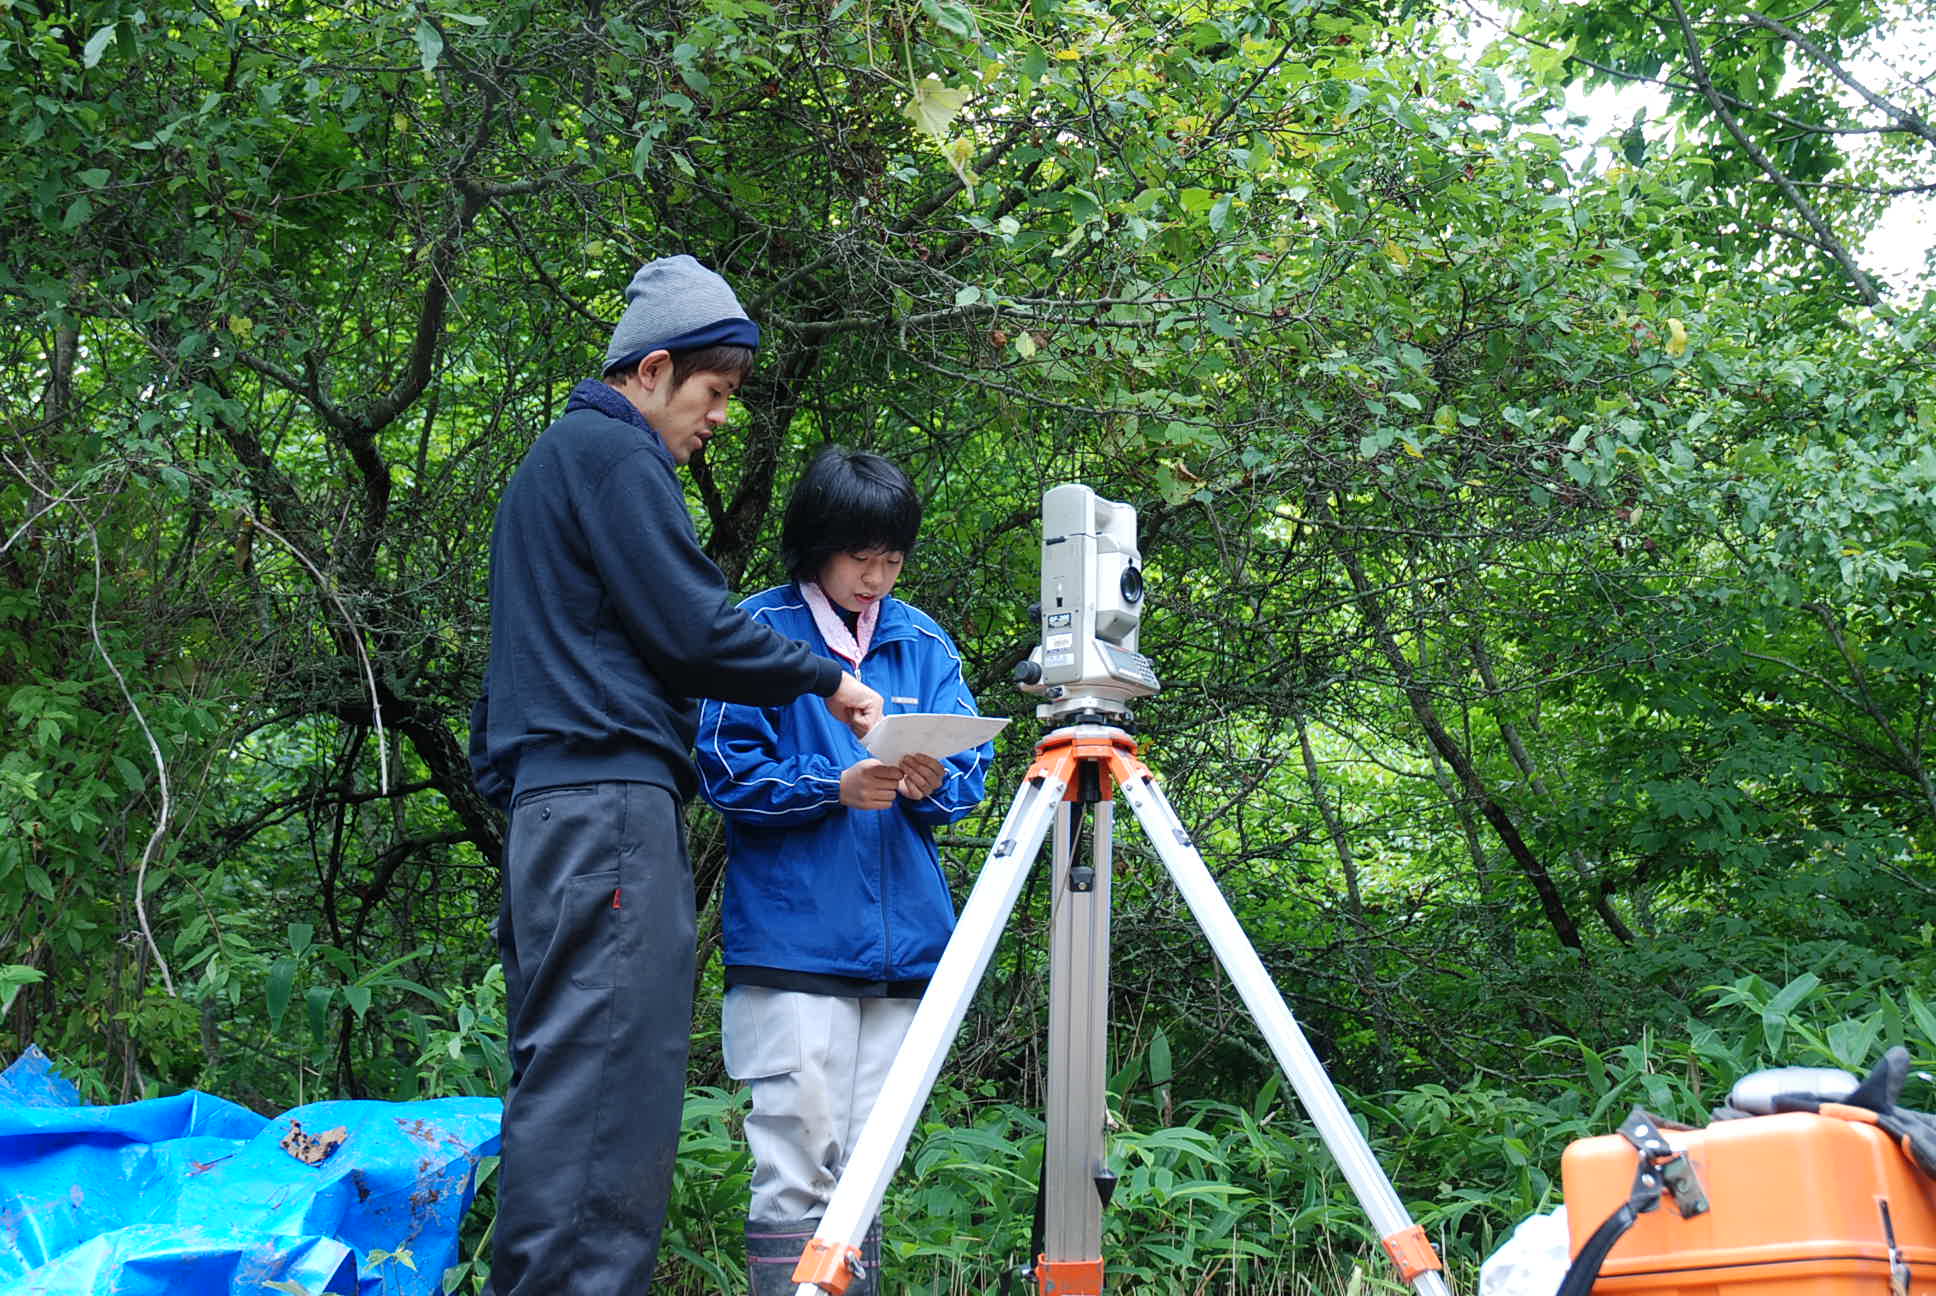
830 1266
1068 1277
1412 1252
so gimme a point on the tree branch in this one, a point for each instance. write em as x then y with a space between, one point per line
430 316
1697 68
1669 83
1427 715
1912 763
1904 118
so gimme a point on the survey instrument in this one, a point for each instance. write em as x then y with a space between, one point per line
1087 669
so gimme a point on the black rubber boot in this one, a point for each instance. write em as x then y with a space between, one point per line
773 1248
870 1257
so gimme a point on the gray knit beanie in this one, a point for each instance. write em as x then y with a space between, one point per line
676 304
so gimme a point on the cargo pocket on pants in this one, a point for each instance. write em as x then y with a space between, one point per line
759 1033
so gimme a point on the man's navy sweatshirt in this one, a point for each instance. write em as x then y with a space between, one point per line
607 618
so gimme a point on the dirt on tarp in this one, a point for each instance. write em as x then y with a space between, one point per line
312 1149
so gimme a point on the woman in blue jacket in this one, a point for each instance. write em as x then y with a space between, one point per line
835 909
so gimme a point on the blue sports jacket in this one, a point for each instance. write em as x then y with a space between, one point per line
812 886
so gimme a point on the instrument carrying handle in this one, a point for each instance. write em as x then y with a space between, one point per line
1586 1266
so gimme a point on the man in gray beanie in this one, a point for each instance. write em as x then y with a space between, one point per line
607 622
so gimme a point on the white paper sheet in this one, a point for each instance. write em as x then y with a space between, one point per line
931 733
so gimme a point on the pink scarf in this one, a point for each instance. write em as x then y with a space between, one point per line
850 645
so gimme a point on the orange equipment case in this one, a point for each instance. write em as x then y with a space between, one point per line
1800 1205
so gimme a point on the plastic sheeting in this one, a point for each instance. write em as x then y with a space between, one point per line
1530 1262
195 1196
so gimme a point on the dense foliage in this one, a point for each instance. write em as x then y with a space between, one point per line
1539 538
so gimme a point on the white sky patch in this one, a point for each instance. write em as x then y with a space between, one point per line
1898 253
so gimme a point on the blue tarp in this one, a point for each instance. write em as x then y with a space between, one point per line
195 1196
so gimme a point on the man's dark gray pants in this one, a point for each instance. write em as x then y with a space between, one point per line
596 934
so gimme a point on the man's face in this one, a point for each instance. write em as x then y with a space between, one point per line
687 416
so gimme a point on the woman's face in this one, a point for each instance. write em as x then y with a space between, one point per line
857 579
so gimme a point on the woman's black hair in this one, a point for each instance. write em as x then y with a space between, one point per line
847 501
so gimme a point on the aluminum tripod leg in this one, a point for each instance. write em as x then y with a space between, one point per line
1072 1155
1071 1261
1404 1240
826 1263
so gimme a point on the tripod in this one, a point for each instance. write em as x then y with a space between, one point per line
1083 764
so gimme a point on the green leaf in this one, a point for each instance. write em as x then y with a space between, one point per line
13 976
1925 1019
96 46
1790 995
130 774
1598 1081
430 45
967 295
1851 1040
951 16
300 936
417 988
1774 1017
282 981
358 998
1160 1066
401 1256
316 1002
1268 1094
376 975
934 106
